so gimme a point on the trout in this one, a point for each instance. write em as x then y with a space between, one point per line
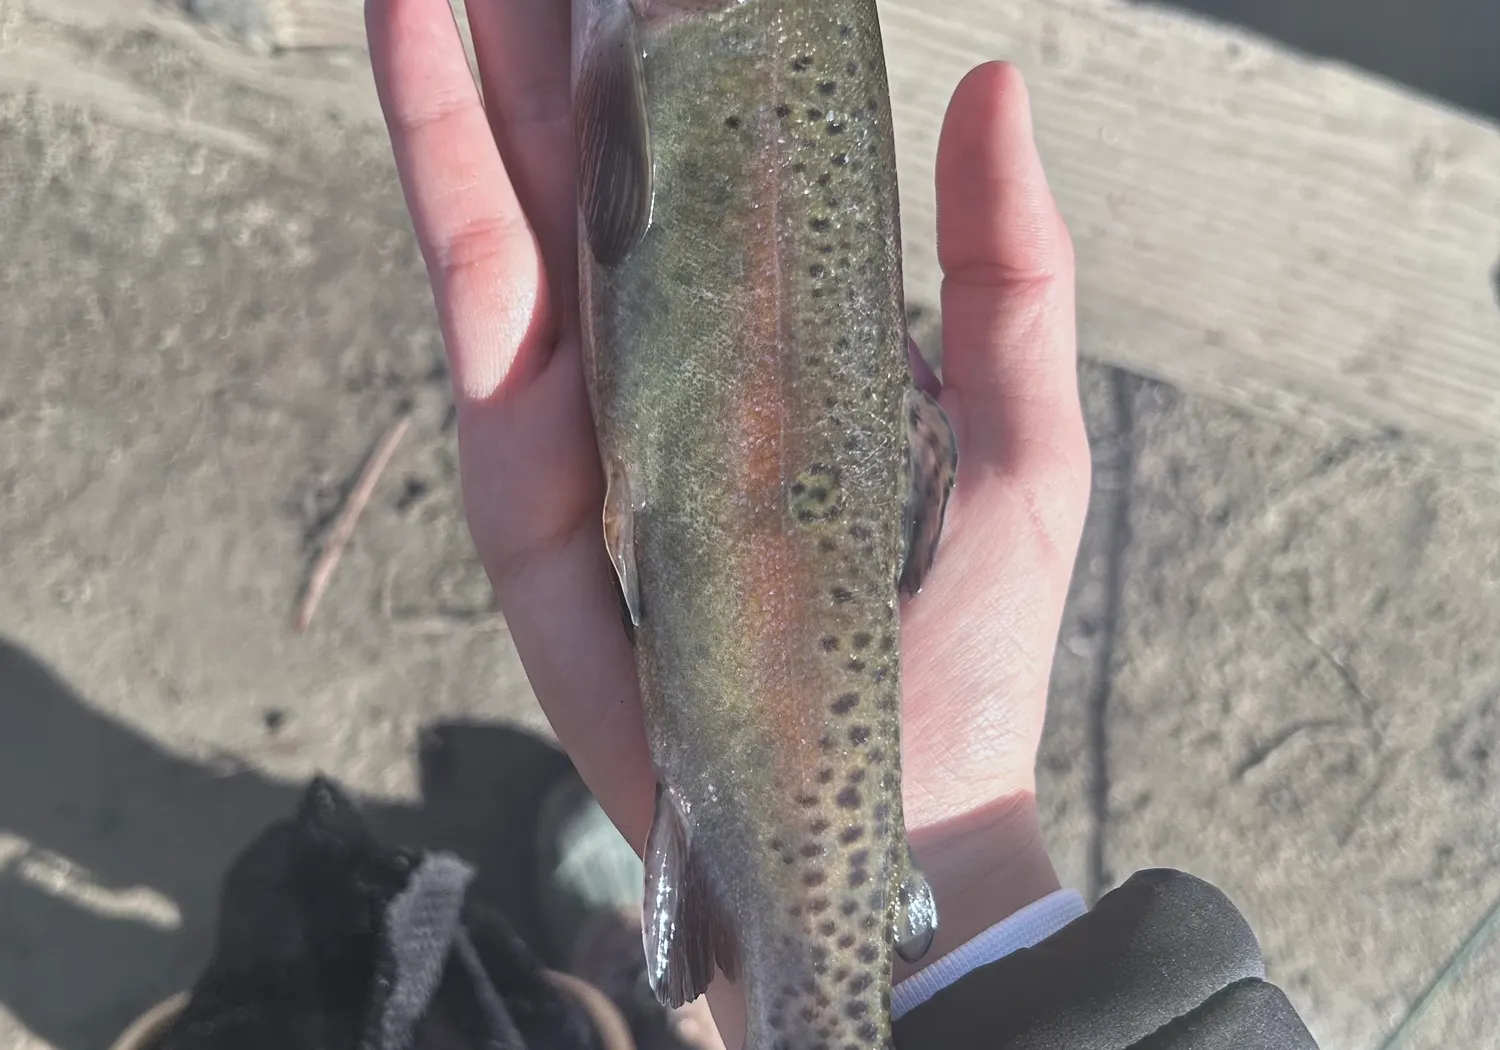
775 483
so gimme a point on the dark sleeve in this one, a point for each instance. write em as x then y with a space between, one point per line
1164 962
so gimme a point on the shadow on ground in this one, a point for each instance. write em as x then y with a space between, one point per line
1443 48
80 786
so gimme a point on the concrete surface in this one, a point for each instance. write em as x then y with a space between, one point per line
1277 670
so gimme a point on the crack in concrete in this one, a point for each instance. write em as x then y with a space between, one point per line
1122 387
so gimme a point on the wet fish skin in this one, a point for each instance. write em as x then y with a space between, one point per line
773 481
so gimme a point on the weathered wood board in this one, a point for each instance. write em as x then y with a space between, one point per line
1251 225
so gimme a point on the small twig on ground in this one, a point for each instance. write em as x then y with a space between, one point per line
343 527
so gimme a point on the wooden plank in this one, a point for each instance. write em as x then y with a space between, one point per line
1250 225
1282 234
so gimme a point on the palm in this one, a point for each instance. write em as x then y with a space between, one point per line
977 642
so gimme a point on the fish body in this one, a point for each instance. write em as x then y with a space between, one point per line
774 483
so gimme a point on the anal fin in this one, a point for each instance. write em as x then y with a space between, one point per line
916 913
685 930
932 466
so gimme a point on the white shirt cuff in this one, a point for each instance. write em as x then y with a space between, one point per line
1026 928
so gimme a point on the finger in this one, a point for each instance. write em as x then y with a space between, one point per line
1010 350
524 61
480 253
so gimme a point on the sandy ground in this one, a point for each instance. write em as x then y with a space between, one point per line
1277 670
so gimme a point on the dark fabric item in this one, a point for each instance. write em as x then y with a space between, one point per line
1150 952
328 940
1245 1016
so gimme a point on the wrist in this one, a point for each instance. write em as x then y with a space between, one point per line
983 867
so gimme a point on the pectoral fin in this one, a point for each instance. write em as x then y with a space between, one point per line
932 466
613 136
916 914
685 930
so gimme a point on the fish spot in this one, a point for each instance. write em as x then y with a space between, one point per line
858 877
860 858
875 756
799 167
808 1014
827 545
856 665
842 595
848 837
814 113
814 877
868 953
819 953
802 63
795 911
841 974
816 270
840 159
856 775
807 798
845 31
820 905
777 846
825 776
783 111
777 1022
846 941
848 798
868 1032
882 810
817 827
846 703
835 128
825 249
826 742
787 858
811 849
859 734
861 533
887 643
872 921
856 1009
828 928
822 1002
862 639
827 87
849 907
852 68
819 224
860 983
880 673
732 123
889 781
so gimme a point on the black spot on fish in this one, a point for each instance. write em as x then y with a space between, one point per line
880 673
856 665
817 827
856 1009
814 877
830 402
848 798
861 532
807 798
860 858
783 111
868 953
814 113
875 756
868 1032
832 202
816 270
787 858
819 224
848 837
822 1002
841 974
827 87
828 928
856 775
846 703
825 249
827 545
846 941
808 1014
799 167
889 781
811 849
802 63
887 643
862 639
858 877
817 293
826 742
845 31
882 810
825 776
777 1022
852 68
858 734
835 128
795 911
798 488
849 907
840 159
860 983
777 846
819 906
732 123
819 953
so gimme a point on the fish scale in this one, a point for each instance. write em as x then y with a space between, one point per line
774 482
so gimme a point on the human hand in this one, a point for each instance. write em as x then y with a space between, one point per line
491 191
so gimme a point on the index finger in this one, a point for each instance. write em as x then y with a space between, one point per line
481 254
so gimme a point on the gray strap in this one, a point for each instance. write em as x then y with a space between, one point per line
422 925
